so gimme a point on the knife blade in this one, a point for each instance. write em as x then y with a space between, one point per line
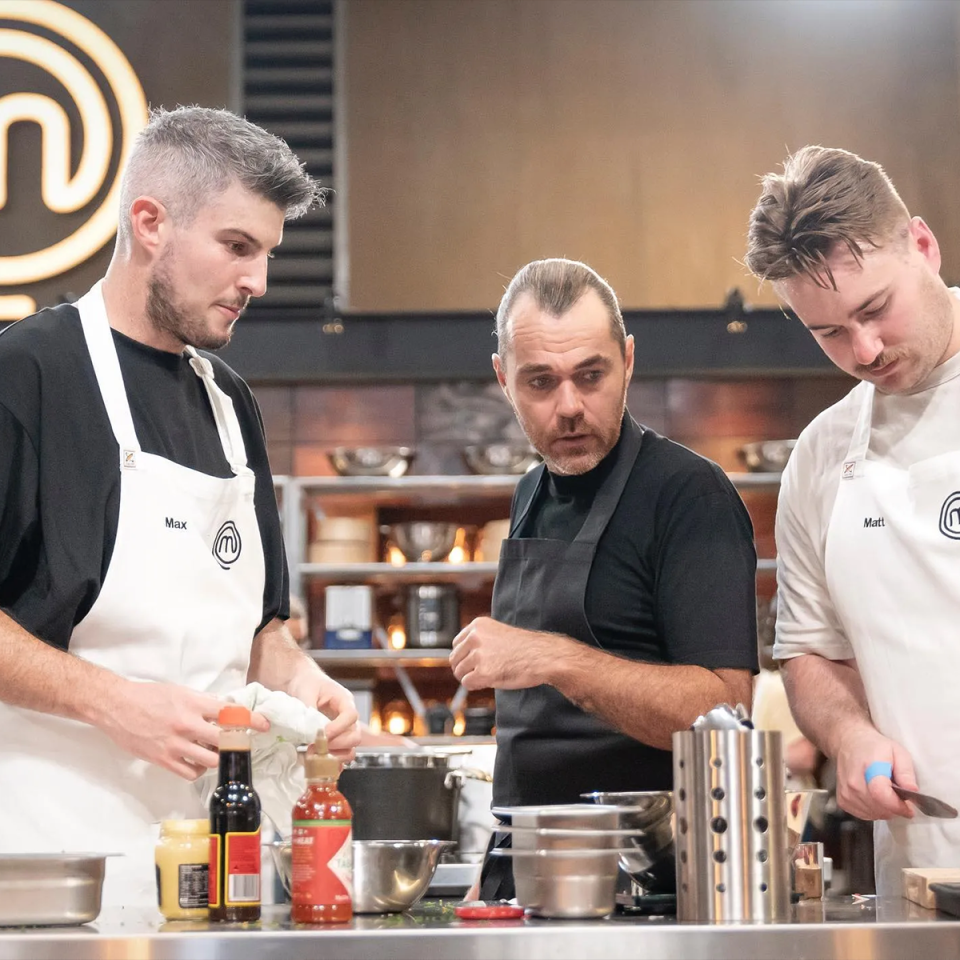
926 804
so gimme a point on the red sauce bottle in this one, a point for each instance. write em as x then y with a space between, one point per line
322 845
235 824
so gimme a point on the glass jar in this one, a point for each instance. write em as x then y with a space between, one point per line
183 868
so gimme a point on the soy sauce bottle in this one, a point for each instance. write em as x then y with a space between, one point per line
235 824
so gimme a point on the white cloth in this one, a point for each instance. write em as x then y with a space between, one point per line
180 603
278 774
866 571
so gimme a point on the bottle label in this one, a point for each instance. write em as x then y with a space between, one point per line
192 885
241 869
321 862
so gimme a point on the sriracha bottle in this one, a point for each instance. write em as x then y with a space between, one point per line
322 845
235 824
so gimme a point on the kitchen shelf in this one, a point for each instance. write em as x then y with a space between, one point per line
384 573
409 657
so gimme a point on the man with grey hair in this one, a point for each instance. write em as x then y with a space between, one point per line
142 572
624 604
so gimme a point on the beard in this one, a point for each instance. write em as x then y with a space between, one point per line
600 440
170 316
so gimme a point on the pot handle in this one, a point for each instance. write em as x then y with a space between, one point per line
459 774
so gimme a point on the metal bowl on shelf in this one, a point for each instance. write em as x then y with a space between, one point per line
501 458
389 876
50 889
766 456
371 461
423 540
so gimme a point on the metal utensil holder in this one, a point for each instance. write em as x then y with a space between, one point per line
731 840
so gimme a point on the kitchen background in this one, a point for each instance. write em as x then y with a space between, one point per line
463 138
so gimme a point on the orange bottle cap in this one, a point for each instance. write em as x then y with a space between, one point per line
233 715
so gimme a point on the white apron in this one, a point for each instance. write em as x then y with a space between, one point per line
892 565
181 601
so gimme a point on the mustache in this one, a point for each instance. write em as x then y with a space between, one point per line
881 361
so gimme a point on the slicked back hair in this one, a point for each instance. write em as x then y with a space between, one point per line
556 285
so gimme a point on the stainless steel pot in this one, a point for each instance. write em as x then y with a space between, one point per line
404 794
433 615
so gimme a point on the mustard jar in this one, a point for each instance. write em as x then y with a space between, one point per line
183 867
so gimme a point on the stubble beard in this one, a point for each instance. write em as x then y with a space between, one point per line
576 462
167 316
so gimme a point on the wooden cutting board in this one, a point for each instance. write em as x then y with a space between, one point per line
916 881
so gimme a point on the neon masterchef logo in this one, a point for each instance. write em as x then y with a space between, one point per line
227 545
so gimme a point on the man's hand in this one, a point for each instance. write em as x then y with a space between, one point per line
334 701
487 653
169 725
876 800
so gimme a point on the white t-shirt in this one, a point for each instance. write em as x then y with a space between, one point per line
905 429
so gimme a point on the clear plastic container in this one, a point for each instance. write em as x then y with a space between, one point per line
183 868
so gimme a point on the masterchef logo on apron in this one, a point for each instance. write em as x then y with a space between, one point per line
950 516
227 545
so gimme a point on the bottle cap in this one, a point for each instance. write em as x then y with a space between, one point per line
233 715
321 765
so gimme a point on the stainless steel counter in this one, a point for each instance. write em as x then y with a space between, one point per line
848 928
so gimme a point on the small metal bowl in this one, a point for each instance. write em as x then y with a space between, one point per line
766 456
371 461
389 876
501 458
423 540
50 889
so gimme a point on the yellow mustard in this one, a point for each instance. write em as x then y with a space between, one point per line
183 865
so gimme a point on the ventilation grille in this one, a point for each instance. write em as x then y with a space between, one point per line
288 90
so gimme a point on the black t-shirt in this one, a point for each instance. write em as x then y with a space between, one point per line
674 576
59 473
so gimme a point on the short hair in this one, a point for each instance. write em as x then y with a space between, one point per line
556 285
187 156
825 197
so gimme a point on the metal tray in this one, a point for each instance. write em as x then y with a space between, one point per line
50 889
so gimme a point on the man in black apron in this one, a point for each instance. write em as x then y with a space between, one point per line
624 604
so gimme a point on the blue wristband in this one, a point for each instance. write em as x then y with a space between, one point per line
879 768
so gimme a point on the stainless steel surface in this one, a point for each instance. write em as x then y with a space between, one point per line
453 879
50 889
371 461
930 806
842 929
731 825
766 456
390 876
501 458
423 541
387 573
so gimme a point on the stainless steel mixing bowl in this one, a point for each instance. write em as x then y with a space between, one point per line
371 461
423 540
389 876
500 458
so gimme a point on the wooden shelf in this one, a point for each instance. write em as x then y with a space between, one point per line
386 573
410 657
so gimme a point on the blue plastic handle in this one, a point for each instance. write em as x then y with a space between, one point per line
879 768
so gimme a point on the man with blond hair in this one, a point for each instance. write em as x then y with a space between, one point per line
868 521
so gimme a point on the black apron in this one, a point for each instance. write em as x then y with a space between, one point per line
548 749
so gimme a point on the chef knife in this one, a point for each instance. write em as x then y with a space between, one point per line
926 804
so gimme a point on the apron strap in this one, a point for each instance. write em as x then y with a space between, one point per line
106 367
228 426
860 440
